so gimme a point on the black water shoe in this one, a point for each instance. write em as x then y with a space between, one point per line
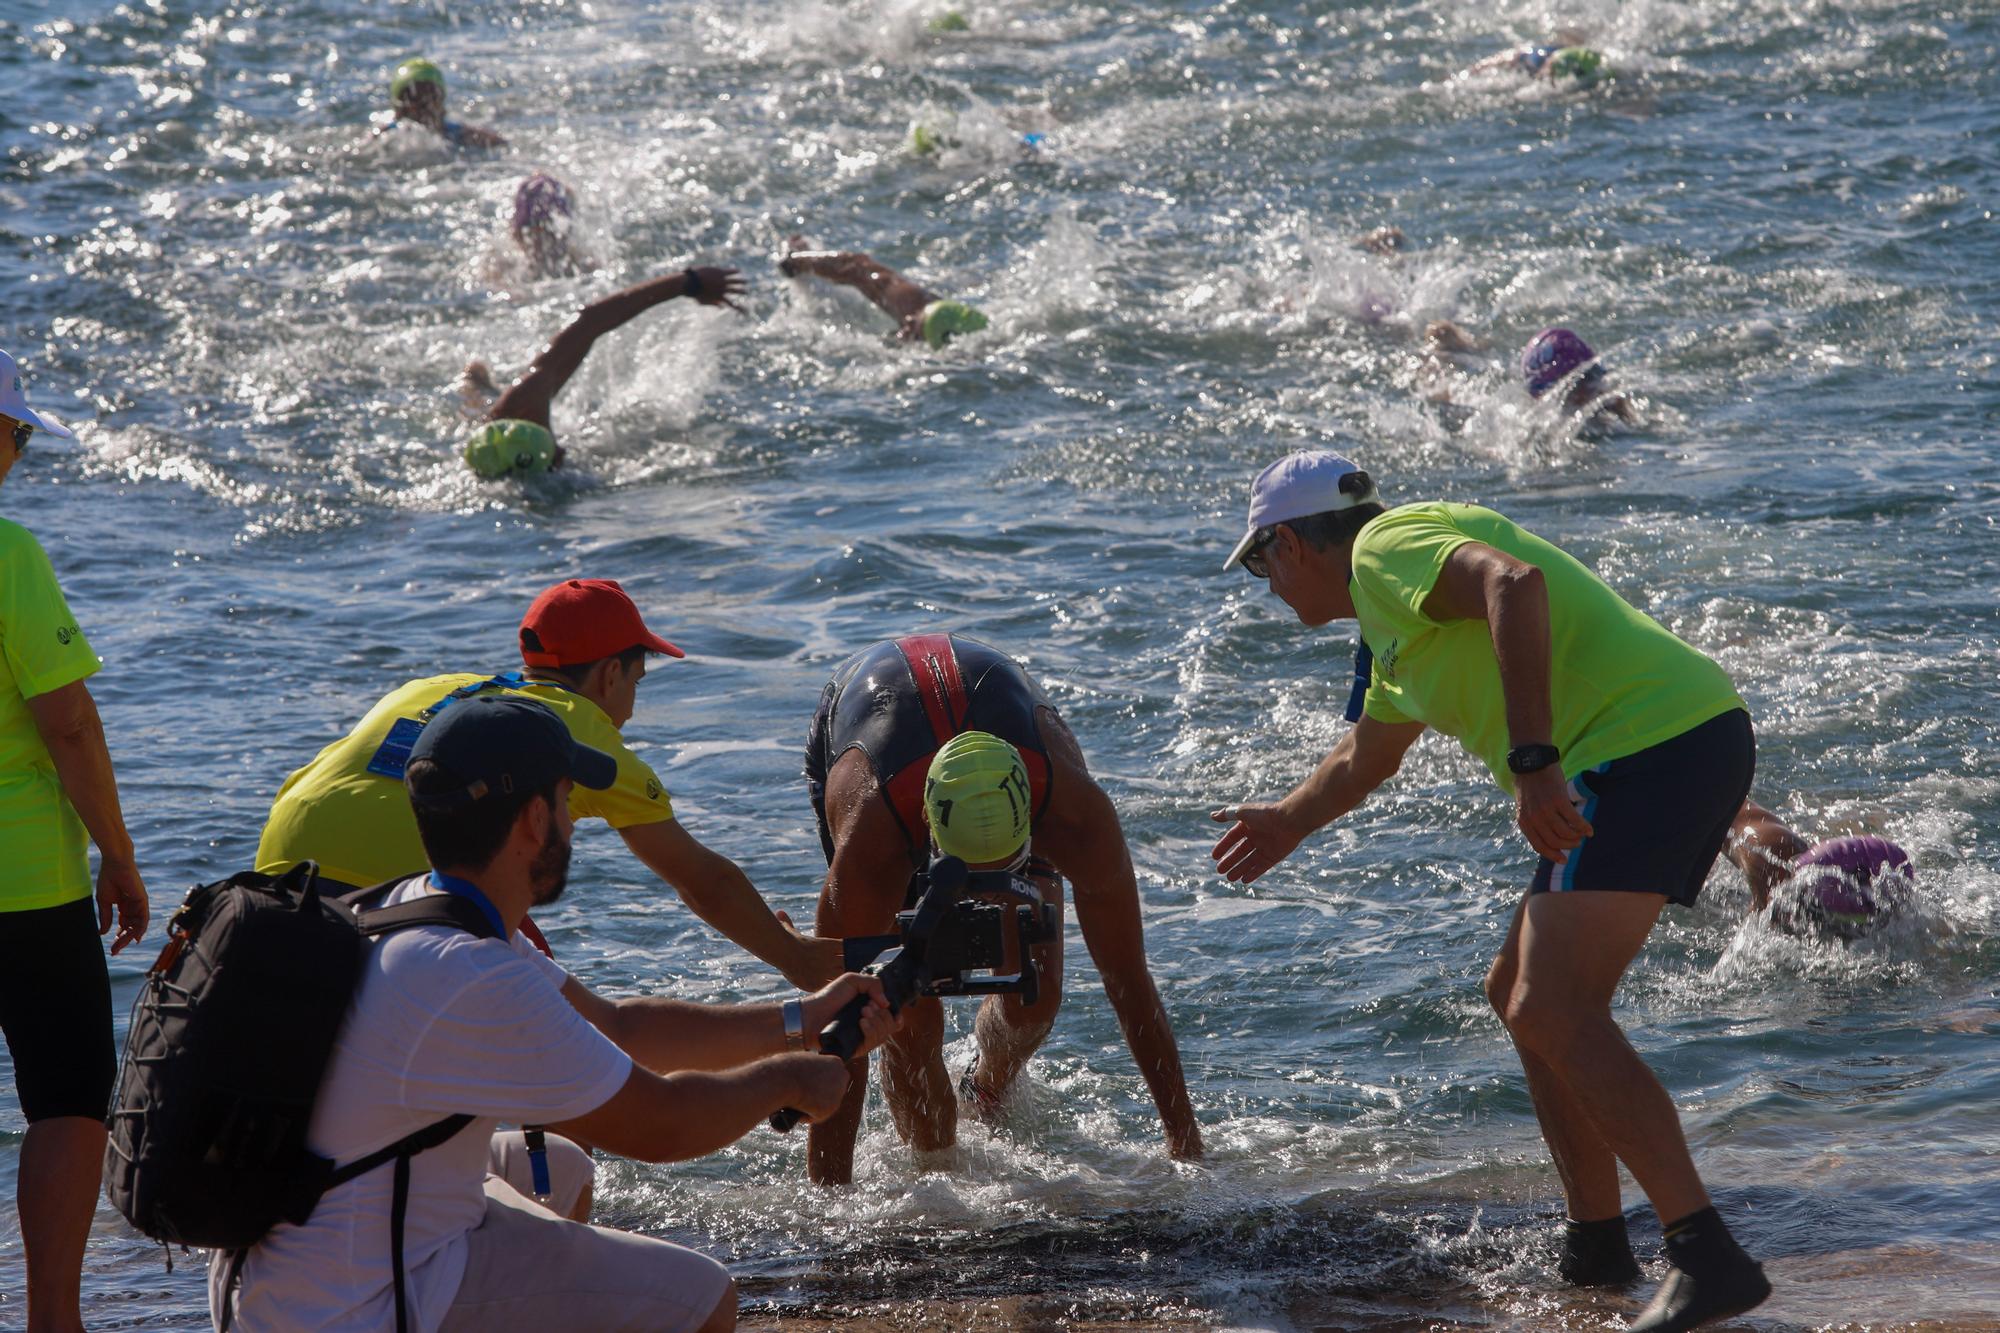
1685 1301
1712 1278
1597 1254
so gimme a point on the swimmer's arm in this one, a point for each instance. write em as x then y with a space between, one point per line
1479 582
1260 836
474 136
896 296
1090 851
1763 848
529 399
716 890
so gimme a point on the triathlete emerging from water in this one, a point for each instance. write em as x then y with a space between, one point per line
1843 886
416 92
1628 755
517 437
920 315
882 719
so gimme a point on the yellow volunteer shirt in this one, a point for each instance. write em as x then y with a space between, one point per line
358 825
43 847
1619 681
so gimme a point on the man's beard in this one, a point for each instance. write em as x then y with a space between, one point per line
548 873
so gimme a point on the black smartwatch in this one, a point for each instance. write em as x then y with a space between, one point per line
691 283
1531 758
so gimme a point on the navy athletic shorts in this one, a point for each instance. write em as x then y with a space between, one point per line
1660 817
55 1006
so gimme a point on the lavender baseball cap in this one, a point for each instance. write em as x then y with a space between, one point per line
1299 484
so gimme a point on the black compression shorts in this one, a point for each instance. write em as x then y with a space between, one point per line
55 1006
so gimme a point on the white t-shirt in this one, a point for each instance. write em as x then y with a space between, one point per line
442 1023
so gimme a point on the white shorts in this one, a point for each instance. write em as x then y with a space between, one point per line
529 1270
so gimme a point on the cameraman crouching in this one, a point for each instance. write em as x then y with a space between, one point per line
445 1023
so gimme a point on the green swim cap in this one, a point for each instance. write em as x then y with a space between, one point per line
928 139
1581 63
945 320
504 447
976 798
412 72
949 21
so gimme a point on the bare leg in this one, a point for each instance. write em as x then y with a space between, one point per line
915 1082
1584 1161
62 1165
1574 948
1008 1031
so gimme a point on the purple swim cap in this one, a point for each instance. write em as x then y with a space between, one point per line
1834 877
1553 354
539 201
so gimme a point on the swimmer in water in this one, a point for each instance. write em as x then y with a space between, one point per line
920 315
416 92
1563 59
516 436
1554 357
1844 886
544 228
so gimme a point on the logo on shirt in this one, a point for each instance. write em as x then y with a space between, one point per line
65 634
652 790
1385 663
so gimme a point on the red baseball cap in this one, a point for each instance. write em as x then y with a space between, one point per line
582 620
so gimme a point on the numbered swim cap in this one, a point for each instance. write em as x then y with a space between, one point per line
1552 355
945 320
1848 883
412 72
504 447
976 798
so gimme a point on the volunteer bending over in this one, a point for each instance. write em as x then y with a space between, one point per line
583 647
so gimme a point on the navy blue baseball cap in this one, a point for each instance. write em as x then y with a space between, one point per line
503 744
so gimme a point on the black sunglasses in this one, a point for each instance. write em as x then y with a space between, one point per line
1253 559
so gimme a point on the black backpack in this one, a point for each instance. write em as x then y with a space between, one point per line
231 1034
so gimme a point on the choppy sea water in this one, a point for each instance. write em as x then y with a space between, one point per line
1776 225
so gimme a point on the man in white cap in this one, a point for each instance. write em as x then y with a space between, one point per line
1628 754
56 789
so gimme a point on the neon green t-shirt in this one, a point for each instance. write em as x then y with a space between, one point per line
358 825
1618 683
42 843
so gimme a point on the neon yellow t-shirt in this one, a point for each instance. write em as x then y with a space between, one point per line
1619 682
358 825
42 843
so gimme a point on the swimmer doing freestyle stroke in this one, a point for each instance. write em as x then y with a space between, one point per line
517 437
920 315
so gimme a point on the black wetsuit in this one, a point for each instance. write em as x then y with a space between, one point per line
899 701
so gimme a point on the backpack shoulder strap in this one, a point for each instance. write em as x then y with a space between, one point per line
436 909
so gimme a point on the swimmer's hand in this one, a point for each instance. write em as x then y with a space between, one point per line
1547 817
717 285
1259 837
814 961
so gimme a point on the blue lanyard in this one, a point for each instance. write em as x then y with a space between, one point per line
466 889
